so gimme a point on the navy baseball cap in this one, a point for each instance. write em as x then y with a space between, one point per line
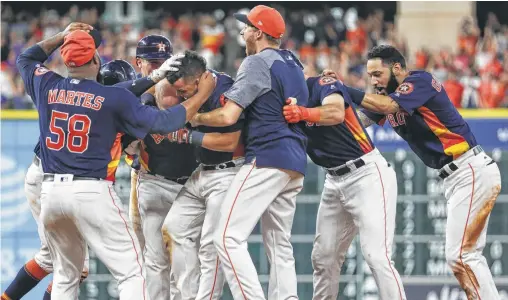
153 47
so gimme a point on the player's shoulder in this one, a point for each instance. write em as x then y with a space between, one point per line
43 73
419 75
221 77
322 81
420 79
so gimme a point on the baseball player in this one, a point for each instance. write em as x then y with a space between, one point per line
275 160
166 168
358 182
41 265
419 110
196 210
79 120
151 52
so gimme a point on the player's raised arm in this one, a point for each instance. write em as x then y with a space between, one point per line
139 120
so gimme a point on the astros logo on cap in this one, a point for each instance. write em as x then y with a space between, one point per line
161 47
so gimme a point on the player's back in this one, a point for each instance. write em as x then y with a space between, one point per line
268 136
78 125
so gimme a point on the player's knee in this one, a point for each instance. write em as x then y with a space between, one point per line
172 227
455 258
222 241
377 259
322 257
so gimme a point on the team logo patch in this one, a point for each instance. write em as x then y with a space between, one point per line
326 80
41 71
405 88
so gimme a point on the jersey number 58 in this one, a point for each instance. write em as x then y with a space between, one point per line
78 128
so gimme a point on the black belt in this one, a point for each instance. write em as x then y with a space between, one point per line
51 178
221 166
179 180
36 161
453 167
345 169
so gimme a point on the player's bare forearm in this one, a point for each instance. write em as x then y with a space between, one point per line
366 121
379 104
225 142
220 117
214 118
193 104
332 110
51 44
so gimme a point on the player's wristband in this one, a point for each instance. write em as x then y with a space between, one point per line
356 95
311 114
196 138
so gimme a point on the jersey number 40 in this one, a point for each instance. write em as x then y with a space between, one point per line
78 128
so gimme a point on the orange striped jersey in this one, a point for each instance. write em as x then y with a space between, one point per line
116 154
428 121
332 146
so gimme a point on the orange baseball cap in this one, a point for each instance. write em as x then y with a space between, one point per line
266 19
79 47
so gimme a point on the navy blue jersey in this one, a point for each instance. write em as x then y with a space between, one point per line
216 100
263 84
80 119
428 121
332 146
160 156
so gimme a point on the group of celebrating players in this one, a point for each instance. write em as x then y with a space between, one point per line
212 156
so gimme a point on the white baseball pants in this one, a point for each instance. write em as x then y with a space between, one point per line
155 197
194 213
471 192
270 195
81 212
33 185
362 202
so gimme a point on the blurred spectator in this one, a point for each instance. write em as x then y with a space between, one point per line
454 89
491 90
476 75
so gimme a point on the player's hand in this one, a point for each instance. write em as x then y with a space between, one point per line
76 26
181 136
206 84
170 65
330 73
294 113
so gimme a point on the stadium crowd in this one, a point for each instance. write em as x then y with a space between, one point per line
475 75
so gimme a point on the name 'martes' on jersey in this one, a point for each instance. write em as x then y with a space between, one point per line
80 120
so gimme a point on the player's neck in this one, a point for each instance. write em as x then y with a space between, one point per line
402 76
262 45
81 75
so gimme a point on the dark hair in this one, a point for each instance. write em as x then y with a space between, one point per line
193 65
388 55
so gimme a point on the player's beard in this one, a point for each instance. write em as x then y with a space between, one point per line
250 46
392 85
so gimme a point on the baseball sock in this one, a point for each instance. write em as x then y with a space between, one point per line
47 293
26 279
